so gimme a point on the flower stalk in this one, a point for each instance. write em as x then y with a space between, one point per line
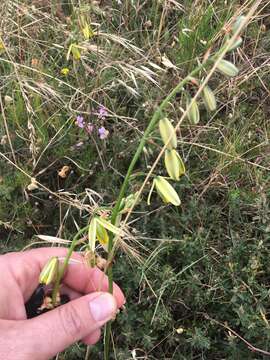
153 122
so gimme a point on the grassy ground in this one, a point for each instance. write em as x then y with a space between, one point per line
204 281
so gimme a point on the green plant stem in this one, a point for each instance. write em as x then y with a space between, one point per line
65 265
156 116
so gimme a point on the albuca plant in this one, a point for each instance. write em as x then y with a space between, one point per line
106 226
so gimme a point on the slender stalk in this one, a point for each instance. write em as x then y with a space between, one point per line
156 116
65 264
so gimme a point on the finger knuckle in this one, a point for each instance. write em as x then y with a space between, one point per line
71 322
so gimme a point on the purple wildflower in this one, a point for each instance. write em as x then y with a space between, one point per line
80 121
89 128
103 133
102 112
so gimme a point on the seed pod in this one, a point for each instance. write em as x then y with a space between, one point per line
50 271
209 98
227 68
167 132
92 234
236 44
174 164
166 191
238 22
193 113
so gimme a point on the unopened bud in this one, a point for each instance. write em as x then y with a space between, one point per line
174 164
167 133
49 273
209 98
227 68
193 113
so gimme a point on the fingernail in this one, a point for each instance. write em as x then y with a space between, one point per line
103 307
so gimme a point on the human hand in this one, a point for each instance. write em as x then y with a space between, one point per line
44 336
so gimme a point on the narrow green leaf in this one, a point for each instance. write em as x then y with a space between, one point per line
102 236
115 230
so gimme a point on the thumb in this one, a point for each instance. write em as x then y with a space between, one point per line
54 331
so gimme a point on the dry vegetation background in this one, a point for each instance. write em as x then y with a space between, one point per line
202 290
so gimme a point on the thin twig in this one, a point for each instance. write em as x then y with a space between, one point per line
249 345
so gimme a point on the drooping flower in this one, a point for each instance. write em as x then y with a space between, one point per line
80 121
102 112
103 133
89 128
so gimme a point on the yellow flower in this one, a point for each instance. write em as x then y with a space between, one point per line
64 71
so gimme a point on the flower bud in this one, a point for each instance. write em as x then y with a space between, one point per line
50 271
174 164
167 132
209 98
227 68
193 113
166 191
